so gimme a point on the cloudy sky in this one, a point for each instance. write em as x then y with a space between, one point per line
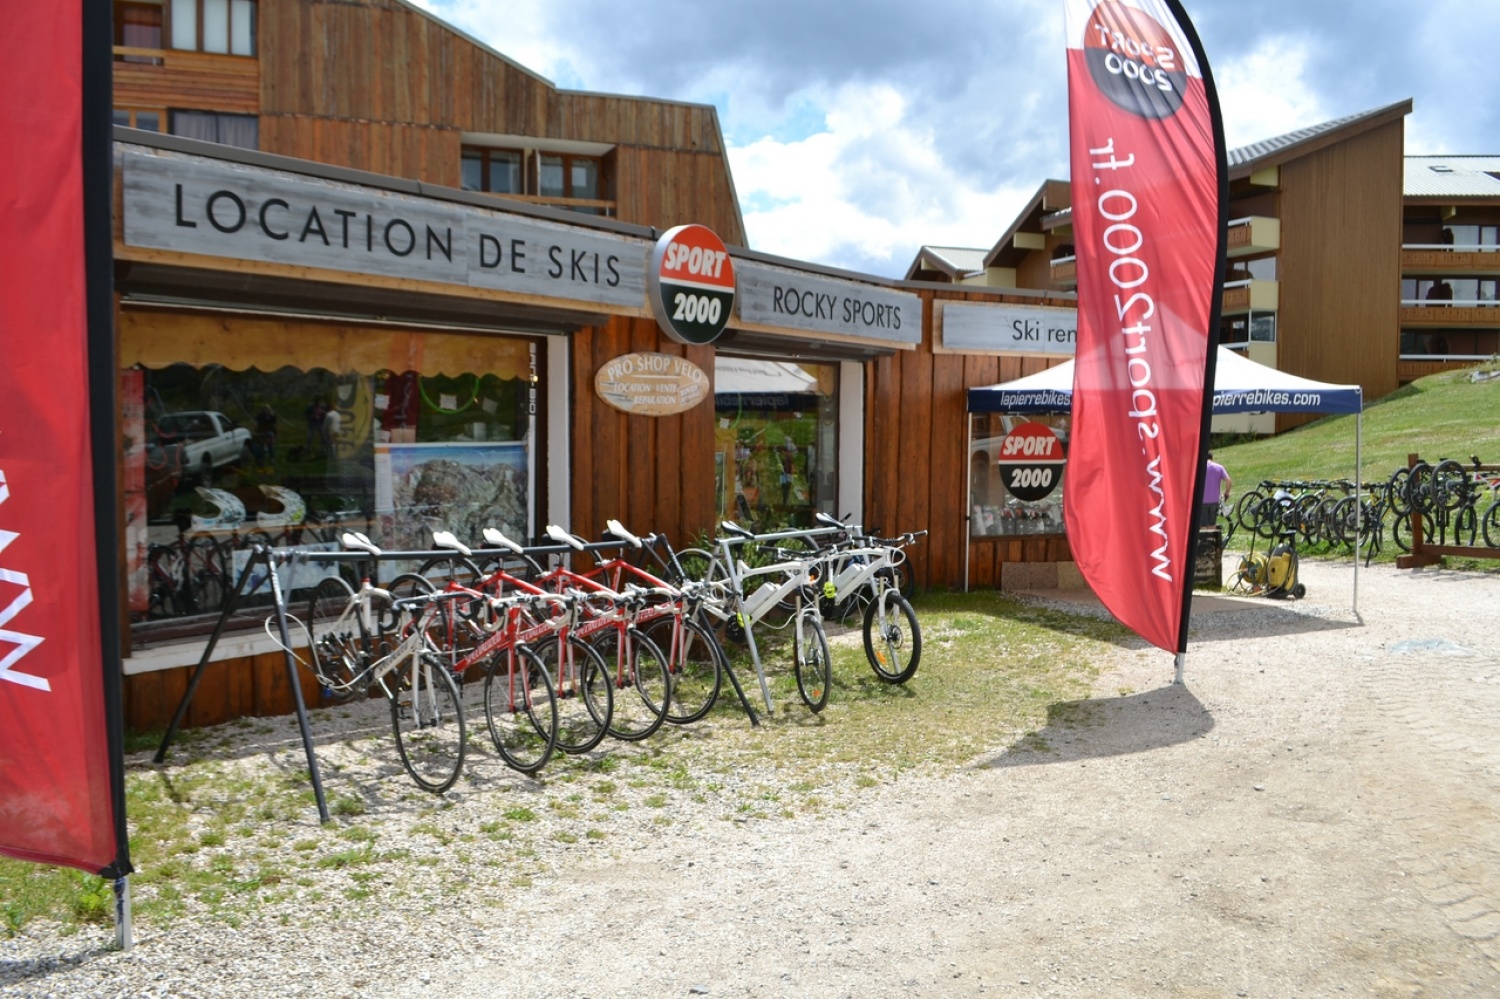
860 130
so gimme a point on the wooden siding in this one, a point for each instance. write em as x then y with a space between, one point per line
256 686
1340 265
189 81
376 85
916 468
1421 316
653 473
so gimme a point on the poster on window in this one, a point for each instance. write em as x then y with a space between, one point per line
462 487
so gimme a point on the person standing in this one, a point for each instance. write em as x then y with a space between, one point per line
1217 487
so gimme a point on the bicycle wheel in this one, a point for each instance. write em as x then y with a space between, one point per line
337 659
164 569
450 569
1490 525
1245 509
642 685
696 565
1465 524
520 709
1401 530
1449 485
428 719
893 639
1396 492
814 664
585 702
206 576
693 657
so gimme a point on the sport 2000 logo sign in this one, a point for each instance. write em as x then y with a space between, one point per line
691 284
1031 462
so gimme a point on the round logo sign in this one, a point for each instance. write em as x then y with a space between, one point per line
1134 60
691 284
1031 462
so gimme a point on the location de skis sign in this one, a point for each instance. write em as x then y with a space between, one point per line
691 284
1031 462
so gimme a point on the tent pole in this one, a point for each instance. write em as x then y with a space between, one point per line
1359 510
968 496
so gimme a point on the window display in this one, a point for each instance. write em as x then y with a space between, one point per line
776 441
220 457
1016 473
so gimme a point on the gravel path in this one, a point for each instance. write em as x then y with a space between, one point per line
1312 814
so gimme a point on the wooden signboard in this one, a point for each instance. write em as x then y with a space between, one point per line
197 205
647 384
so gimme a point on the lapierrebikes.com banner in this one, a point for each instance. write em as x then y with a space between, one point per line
57 787
1148 176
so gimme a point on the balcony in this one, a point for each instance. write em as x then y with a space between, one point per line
584 206
1419 259
1254 234
1482 313
161 78
1065 273
1251 296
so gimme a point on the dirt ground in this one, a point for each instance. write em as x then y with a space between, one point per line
1313 813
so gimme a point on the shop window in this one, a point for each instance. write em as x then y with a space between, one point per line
221 26
993 510
776 441
242 130
224 455
148 121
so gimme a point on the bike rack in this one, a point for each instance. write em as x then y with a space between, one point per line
1423 554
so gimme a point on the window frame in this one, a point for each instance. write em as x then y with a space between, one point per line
168 32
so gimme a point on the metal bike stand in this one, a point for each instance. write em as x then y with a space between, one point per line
259 554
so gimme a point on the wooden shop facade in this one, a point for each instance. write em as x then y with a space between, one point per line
418 300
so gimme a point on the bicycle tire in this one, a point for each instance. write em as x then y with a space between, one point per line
641 682
207 586
401 587
1465 526
814 666
886 641
1490 525
1401 530
336 660
695 660
585 700
164 570
428 718
1450 485
1245 507
1419 494
696 565
1396 492
521 716
451 569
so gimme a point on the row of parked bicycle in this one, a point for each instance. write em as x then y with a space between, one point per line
565 655
1455 504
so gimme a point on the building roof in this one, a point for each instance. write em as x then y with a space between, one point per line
954 261
1247 159
1452 177
1050 196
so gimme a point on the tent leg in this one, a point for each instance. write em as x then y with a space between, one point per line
1179 661
1359 434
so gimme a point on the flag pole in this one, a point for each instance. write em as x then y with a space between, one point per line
98 232
1221 157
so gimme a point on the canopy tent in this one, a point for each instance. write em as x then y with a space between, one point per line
741 383
1240 386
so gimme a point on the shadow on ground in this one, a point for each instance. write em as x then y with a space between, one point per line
1110 726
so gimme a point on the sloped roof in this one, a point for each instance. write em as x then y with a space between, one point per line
954 261
1245 160
1452 177
1049 197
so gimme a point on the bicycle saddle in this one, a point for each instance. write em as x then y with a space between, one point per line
618 530
730 527
494 537
556 533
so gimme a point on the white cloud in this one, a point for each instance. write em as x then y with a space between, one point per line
1264 93
864 192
